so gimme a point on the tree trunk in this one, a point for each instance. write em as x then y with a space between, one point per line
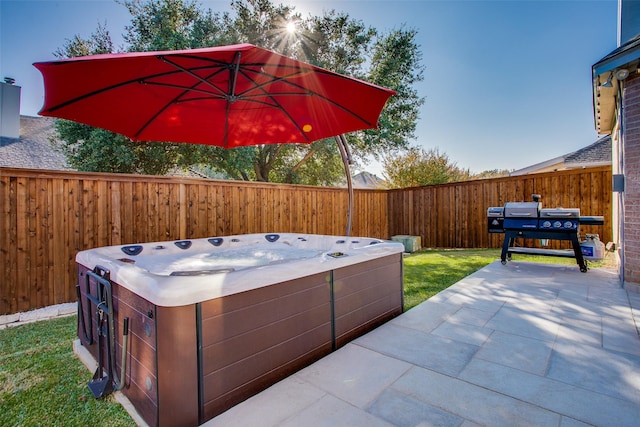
265 159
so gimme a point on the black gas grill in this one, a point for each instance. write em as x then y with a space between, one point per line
530 220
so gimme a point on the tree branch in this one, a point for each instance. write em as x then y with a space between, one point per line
306 157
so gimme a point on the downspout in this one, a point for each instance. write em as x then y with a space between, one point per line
621 201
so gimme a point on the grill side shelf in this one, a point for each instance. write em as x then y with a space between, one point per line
592 220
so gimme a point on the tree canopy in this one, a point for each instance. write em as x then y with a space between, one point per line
334 41
417 166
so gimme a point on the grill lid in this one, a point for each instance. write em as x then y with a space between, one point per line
522 209
560 213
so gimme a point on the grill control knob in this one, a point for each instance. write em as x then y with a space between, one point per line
557 224
546 224
568 224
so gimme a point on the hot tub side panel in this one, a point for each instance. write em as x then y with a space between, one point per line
366 295
141 386
253 339
177 361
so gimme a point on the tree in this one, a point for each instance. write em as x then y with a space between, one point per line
99 42
417 167
97 150
173 25
493 173
334 41
396 64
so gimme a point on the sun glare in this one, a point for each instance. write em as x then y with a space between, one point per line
291 27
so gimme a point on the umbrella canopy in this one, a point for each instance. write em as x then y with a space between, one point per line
227 96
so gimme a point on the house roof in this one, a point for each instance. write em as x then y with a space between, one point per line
33 149
538 166
596 154
606 80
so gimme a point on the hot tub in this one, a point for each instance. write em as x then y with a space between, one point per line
214 321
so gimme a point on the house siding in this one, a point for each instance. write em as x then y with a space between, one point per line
631 168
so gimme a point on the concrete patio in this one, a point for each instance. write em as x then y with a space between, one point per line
515 345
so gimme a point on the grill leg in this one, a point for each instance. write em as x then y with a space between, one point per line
506 243
578 253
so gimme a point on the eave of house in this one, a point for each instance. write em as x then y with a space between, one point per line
626 57
547 165
595 154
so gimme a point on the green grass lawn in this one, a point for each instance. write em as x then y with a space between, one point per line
42 383
428 272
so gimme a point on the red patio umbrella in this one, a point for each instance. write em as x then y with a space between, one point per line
228 96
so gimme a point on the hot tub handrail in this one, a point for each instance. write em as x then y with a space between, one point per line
87 333
104 305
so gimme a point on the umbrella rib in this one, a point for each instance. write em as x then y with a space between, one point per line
222 95
194 75
229 96
173 101
193 88
260 64
275 102
90 94
143 80
238 69
306 92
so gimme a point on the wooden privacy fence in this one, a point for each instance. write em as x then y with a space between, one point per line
48 216
455 215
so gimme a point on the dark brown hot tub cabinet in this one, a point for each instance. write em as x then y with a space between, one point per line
189 363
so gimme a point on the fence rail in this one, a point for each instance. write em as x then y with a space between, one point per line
48 216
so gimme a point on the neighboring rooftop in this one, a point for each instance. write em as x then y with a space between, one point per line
367 180
33 150
596 154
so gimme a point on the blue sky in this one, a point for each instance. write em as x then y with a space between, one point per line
507 83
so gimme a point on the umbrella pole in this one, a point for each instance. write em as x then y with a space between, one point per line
345 153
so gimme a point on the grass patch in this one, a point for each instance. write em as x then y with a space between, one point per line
430 271
42 383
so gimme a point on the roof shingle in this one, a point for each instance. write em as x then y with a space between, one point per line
33 150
